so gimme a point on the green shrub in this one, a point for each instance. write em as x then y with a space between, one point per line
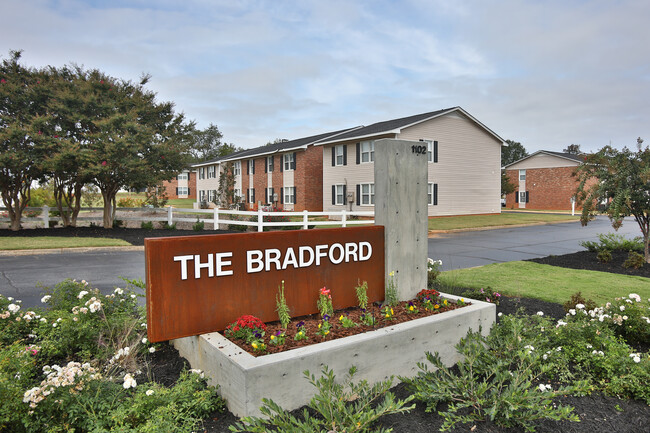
198 225
500 379
165 226
40 197
614 242
148 225
634 260
130 202
487 295
604 256
346 407
578 299
117 223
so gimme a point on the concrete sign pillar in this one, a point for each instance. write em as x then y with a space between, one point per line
401 207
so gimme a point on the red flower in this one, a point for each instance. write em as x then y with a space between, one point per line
40 132
103 162
324 291
56 136
3 81
101 81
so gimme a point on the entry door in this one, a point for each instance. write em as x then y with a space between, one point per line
522 199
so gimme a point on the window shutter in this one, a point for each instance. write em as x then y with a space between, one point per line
516 196
358 194
188 190
266 195
295 158
344 195
253 173
272 166
282 195
333 156
333 194
253 189
281 163
248 195
266 164
358 153
176 190
345 154
435 151
435 194
526 196
248 168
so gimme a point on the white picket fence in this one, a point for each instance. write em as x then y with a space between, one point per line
216 217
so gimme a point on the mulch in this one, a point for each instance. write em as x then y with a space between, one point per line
597 412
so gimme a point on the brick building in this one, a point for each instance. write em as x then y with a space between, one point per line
543 180
182 186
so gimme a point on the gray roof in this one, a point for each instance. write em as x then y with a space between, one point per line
376 129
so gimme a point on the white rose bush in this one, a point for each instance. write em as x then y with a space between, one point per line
81 362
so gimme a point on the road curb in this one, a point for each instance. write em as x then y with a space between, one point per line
433 233
68 250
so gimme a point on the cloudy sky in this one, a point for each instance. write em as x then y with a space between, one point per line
545 73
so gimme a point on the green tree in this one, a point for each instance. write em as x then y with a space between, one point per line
226 197
507 187
573 149
23 100
621 181
137 142
514 151
206 144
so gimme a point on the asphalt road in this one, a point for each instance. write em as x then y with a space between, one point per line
23 277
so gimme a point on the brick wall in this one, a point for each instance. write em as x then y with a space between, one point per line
548 188
277 178
171 185
260 181
245 179
309 179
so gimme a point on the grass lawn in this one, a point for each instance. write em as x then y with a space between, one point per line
505 219
548 283
47 242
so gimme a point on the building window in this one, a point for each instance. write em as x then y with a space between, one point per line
237 193
201 195
182 190
367 194
212 172
211 194
236 168
432 150
201 172
522 174
251 195
367 151
432 194
289 161
251 166
181 176
338 194
523 197
269 164
289 194
269 195
339 155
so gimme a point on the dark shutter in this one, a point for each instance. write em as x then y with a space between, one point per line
272 163
526 196
435 194
295 158
333 156
358 195
188 190
345 154
253 173
333 194
248 195
295 195
281 163
516 196
253 190
248 168
176 190
282 195
266 195
345 197
435 151
358 153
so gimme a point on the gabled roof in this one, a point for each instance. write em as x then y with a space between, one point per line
395 126
378 129
283 146
568 156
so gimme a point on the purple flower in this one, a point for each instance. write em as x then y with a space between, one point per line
258 335
278 333
300 324
326 318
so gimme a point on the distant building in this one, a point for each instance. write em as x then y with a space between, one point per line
182 186
543 180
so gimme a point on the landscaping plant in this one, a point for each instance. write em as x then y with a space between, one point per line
284 313
341 407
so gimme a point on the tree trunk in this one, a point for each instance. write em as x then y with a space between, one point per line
107 214
16 201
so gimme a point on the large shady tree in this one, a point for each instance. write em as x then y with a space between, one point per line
135 142
620 181
23 111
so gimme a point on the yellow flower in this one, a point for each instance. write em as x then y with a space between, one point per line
341 318
387 315
391 273
319 326
272 337
391 311
327 332
254 344
445 302
436 306
411 308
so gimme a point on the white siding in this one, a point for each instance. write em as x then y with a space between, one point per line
467 171
543 160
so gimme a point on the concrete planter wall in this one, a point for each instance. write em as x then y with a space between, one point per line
395 350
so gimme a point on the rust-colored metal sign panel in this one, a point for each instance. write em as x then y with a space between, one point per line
199 284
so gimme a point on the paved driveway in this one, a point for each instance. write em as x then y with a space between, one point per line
22 276
478 248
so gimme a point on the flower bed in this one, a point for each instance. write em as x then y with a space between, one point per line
273 338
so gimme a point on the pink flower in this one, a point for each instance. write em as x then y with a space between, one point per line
325 291
3 81
103 163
